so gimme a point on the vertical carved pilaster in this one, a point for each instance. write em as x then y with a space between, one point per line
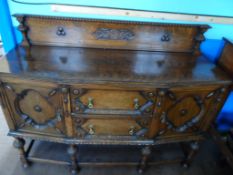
192 151
65 100
24 29
146 151
72 151
199 38
19 144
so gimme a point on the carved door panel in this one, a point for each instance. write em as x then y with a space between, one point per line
187 110
36 108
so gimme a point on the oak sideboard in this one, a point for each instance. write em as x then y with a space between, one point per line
108 82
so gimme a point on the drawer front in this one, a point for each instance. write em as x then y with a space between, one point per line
121 102
108 126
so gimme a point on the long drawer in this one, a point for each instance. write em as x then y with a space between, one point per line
88 126
117 102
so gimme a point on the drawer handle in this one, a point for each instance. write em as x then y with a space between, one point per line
91 130
61 31
132 130
165 37
136 104
90 103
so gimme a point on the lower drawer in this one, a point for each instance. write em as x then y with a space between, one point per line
110 126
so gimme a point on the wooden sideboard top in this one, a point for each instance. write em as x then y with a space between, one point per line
74 50
103 66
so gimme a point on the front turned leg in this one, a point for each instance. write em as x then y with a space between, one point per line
146 151
72 151
193 149
19 144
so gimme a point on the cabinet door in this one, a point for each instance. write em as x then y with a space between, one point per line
35 107
189 110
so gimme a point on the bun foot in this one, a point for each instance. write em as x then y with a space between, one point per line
25 165
72 151
185 165
74 172
140 171
146 151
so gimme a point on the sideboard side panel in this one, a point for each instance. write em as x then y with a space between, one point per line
226 58
6 108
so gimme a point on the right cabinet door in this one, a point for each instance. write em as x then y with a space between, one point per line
189 110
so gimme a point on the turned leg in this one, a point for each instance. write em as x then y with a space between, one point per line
72 151
193 149
19 144
146 151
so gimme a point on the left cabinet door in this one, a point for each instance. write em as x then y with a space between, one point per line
34 107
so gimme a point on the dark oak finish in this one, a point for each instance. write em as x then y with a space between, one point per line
226 58
82 81
62 31
19 144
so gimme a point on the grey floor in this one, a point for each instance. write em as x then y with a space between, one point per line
206 163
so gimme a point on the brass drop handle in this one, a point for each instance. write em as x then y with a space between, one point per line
132 130
90 103
91 130
136 103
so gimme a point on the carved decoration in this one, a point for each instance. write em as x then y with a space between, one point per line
199 38
79 121
28 120
52 92
113 34
166 36
164 119
108 21
61 31
189 123
31 120
24 29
